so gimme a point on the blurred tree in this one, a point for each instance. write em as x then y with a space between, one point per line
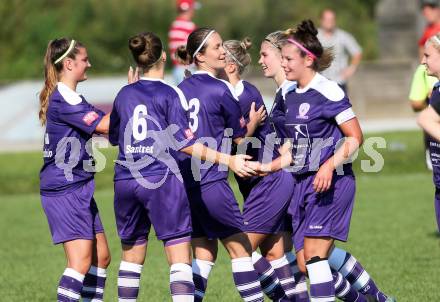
104 26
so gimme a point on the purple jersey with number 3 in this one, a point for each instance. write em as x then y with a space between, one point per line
149 123
212 108
313 115
70 123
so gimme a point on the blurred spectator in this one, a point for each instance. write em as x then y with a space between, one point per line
344 47
431 13
178 34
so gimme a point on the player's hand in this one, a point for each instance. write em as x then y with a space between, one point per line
237 164
258 117
258 167
323 179
348 72
133 75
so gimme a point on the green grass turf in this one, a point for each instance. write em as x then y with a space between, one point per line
393 232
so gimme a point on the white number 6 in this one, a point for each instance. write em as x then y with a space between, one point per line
140 122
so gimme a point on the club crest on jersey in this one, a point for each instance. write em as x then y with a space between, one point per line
242 122
189 134
90 117
303 110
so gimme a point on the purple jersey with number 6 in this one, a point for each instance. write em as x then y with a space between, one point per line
149 123
212 109
313 115
70 123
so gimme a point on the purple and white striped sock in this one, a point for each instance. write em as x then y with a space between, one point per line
301 293
285 274
344 291
246 280
93 285
69 287
201 270
181 282
268 277
321 280
128 281
353 271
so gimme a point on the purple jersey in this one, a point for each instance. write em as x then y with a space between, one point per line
247 94
212 108
312 118
277 118
149 124
434 145
70 123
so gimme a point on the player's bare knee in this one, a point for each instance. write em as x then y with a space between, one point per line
104 259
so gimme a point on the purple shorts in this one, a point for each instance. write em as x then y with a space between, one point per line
265 209
325 214
137 207
73 215
214 211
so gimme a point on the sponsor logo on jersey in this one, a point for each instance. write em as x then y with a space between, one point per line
315 227
303 110
189 134
90 117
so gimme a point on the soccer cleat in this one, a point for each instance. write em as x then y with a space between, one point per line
391 299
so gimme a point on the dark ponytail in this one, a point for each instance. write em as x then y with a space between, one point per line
146 49
306 34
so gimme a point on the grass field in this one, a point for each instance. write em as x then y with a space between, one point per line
393 231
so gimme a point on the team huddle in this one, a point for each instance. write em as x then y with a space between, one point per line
176 147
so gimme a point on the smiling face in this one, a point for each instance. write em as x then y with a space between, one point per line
293 63
270 60
78 67
431 59
214 56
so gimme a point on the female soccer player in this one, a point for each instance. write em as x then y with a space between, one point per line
67 177
270 61
429 118
215 117
265 205
318 115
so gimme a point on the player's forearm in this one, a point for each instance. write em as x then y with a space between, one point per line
103 125
344 152
429 120
202 152
251 127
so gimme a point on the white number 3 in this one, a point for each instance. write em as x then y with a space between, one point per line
193 108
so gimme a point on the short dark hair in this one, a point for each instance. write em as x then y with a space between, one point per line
431 3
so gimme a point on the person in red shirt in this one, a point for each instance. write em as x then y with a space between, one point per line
178 34
431 13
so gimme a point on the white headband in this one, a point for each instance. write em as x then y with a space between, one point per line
72 44
436 39
232 56
203 43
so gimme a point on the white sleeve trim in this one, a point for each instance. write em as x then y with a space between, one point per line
182 98
344 116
